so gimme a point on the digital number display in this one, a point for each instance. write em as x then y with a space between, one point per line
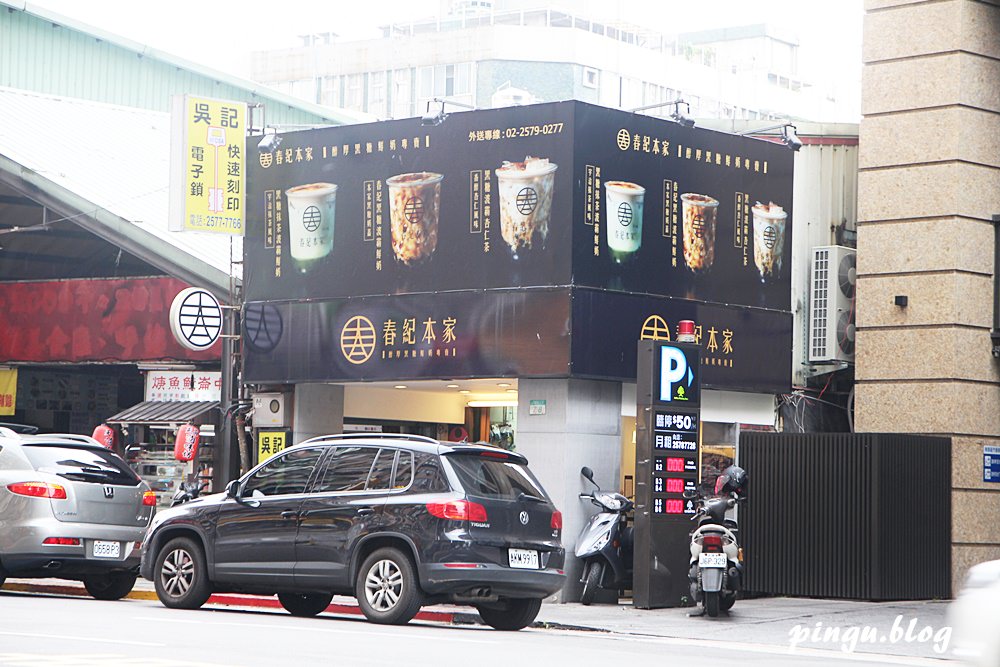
675 464
668 506
674 485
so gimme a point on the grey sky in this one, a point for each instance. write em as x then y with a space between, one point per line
221 35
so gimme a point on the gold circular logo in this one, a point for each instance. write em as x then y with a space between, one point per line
624 139
265 160
357 339
655 328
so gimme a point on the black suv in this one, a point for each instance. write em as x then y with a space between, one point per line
396 521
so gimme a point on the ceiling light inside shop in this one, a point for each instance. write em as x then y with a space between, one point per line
512 391
400 386
452 386
464 391
503 384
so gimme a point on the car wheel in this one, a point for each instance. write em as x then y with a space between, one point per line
387 589
511 614
591 582
110 585
180 575
304 604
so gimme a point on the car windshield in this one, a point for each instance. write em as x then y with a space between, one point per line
492 478
81 464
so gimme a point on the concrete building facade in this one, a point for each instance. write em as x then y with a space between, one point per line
928 187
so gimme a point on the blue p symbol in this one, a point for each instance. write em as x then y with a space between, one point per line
673 369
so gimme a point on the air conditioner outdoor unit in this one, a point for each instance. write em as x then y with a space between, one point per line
269 410
831 304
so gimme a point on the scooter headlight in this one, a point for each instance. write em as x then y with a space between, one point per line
602 540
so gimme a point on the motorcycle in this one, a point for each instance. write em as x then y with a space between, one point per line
605 543
716 565
186 492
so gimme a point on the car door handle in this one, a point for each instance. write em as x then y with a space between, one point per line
364 511
290 514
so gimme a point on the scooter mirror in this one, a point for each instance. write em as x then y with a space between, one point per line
690 494
587 472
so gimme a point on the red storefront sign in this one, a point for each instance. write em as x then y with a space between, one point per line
122 320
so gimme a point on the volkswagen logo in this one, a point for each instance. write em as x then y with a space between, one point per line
524 518
109 492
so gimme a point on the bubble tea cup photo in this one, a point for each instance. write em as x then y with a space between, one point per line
311 212
624 205
768 239
525 203
414 207
699 213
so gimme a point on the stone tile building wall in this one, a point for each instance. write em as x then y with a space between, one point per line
928 185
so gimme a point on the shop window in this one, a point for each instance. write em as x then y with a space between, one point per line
347 470
590 77
286 475
718 452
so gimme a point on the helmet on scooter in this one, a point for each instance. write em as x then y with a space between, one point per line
732 480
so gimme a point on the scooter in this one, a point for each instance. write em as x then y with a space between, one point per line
187 491
605 543
716 565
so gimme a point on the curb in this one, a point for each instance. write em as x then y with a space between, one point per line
237 600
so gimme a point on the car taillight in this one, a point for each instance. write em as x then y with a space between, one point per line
712 543
148 499
458 510
556 522
62 541
38 490
495 455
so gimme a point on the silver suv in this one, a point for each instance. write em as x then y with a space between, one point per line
71 509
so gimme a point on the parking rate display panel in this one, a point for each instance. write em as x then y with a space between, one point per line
667 452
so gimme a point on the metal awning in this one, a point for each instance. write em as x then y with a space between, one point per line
163 413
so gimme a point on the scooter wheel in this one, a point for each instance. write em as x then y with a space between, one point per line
591 582
712 604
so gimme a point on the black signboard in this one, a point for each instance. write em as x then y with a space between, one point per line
560 332
450 335
668 442
746 349
545 195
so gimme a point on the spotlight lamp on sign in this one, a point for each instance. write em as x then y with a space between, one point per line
196 318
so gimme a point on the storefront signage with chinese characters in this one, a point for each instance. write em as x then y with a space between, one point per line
8 391
270 443
183 385
207 180
545 195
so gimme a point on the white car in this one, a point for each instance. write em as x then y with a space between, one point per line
975 616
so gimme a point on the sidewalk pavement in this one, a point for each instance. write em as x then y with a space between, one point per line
884 628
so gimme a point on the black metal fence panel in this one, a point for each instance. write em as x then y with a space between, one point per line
842 515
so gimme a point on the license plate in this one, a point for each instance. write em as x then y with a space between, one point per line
523 559
711 560
104 549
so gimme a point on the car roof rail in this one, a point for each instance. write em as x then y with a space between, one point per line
370 436
76 437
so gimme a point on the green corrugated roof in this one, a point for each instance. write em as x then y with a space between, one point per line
49 53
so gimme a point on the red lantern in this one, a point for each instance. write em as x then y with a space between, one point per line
186 447
105 435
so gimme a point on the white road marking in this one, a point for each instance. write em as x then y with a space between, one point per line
93 660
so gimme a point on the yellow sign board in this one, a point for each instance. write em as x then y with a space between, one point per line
8 391
270 443
207 178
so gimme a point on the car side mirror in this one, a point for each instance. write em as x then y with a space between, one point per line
233 489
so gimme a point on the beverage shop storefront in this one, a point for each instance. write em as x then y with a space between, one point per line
527 248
